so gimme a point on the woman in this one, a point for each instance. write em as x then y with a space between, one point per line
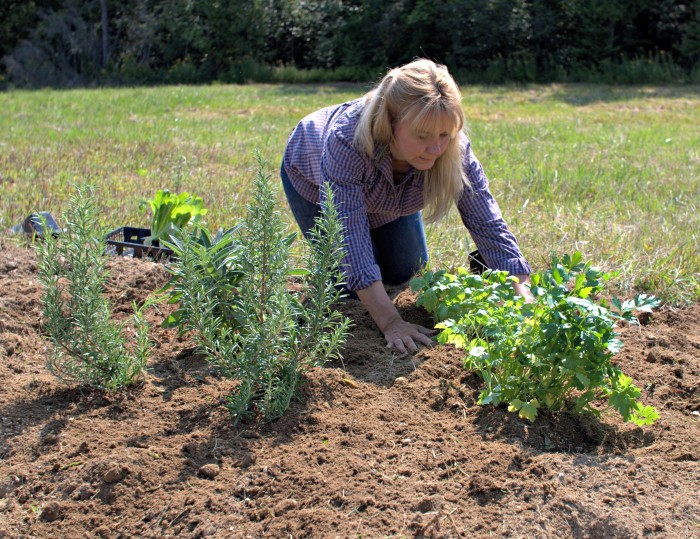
387 156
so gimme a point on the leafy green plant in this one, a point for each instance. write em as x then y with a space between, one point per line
88 346
555 352
171 211
248 321
216 267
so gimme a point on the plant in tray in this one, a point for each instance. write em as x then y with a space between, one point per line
171 211
88 346
555 352
234 293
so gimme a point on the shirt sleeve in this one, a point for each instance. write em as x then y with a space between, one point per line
482 217
343 169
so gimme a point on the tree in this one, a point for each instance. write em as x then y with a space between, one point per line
61 49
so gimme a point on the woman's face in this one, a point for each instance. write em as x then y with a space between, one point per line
419 149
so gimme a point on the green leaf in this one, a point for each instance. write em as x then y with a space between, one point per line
623 397
298 272
576 258
172 211
644 415
585 380
526 410
492 397
515 405
478 352
614 346
585 291
616 303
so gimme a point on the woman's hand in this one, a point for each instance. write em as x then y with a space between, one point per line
399 334
404 336
522 288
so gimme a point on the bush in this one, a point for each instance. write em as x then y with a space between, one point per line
234 292
88 347
554 352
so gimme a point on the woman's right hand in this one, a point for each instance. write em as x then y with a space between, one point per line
399 334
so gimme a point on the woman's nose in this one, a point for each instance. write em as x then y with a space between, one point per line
435 147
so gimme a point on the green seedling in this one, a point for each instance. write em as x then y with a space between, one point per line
170 212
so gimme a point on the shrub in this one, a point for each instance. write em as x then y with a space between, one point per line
89 348
555 352
249 323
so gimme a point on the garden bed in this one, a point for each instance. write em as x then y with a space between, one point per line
384 445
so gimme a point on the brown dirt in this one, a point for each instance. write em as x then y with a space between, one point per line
382 446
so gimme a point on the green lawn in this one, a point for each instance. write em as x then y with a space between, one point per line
611 171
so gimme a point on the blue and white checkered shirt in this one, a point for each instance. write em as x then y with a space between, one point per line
320 150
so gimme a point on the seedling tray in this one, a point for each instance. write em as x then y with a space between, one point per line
128 240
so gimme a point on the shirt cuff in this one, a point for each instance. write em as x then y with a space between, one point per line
514 266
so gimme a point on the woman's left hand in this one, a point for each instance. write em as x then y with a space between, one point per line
522 288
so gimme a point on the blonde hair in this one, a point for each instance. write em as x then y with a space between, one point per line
420 92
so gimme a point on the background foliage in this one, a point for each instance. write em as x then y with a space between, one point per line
78 42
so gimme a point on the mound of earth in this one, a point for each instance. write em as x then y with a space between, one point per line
382 445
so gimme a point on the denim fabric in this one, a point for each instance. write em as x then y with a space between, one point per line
400 248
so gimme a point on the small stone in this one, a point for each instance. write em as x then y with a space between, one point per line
210 471
84 492
103 532
208 531
114 474
6 489
50 512
429 504
400 381
284 507
50 439
248 459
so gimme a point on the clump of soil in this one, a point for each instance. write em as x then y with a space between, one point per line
383 445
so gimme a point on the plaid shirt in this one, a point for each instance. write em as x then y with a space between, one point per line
320 150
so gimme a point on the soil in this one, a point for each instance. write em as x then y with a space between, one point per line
382 445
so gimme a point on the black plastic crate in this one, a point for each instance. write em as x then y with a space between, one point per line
128 237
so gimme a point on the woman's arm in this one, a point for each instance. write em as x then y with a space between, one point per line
398 333
482 217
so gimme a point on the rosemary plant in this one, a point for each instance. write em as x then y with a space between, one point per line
89 348
247 319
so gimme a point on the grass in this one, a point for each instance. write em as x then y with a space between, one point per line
611 171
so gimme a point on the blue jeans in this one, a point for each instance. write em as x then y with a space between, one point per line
400 249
